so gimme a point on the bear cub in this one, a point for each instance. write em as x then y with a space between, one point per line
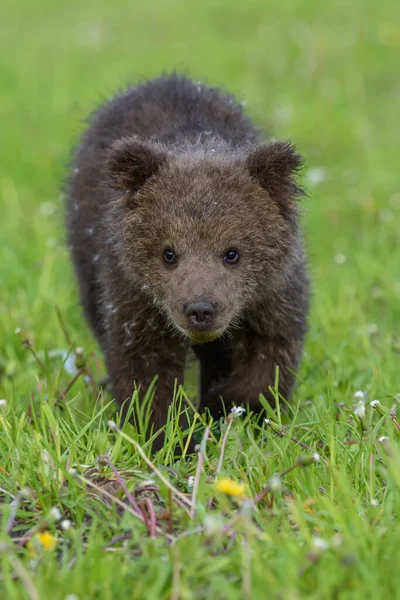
183 228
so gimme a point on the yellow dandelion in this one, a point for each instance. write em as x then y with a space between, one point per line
47 540
43 540
230 487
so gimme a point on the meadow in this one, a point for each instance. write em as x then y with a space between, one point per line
303 506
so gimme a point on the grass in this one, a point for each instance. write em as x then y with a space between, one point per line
325 76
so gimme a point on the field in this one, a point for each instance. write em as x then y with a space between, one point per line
86 511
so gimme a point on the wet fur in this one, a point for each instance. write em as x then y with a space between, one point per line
173 159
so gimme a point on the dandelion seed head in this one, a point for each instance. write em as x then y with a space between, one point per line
275 483
316 175
359 410
340 258
55 513
66 524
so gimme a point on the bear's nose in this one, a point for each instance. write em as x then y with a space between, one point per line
200 313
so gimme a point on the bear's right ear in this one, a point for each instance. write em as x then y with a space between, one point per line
131 162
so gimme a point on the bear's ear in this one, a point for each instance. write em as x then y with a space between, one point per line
131 162
275 167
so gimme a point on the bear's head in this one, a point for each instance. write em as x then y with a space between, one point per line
205 232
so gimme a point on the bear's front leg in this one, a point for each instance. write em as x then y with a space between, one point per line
254 362
135 354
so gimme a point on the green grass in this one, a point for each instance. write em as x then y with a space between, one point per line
324 75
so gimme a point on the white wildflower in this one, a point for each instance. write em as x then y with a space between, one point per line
340 258
359 395
66 524
359 410
213 525
190 481
316 175
319 544
55 513
374 502
275 483
47 208
238 411
69 359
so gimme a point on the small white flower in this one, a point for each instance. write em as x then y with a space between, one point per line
70 364
320 544
316 175
213 525
47 208
359 410
359 395
374 502
275 483
375 404
69 359
66 524
112 425
316 457
190 481
3 403
238 411
56 513
340 258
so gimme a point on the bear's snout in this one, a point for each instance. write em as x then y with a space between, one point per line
200 313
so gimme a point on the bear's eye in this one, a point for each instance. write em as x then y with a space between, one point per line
231 256
169 256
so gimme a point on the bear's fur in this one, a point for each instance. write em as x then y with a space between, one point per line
175 166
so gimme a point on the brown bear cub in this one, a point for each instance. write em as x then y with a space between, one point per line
183 229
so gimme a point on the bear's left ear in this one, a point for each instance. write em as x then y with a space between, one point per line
275 167
131 162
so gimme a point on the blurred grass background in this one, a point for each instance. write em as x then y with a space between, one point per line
324 75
